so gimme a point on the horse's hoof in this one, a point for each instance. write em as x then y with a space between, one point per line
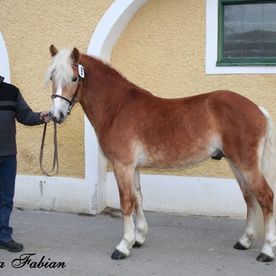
239 246
137 245
264 258
118 255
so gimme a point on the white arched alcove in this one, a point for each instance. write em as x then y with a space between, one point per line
4 60
193 195
102 42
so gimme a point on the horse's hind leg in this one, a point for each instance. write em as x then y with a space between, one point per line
125 181
264 196
257 184
141 224
250 232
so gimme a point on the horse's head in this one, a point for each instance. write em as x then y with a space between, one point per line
66 74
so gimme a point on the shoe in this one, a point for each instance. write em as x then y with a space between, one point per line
11 246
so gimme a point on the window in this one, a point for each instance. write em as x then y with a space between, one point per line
246 32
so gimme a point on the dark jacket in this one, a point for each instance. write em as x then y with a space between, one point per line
13 107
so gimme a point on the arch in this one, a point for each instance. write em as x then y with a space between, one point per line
104 191
101 44
4 60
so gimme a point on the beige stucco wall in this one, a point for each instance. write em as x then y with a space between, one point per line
29 27
163 50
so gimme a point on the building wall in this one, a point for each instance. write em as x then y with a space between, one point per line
28 28
163 50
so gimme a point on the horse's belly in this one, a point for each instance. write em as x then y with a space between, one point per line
171 157
172 164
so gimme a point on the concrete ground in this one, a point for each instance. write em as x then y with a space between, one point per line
175 245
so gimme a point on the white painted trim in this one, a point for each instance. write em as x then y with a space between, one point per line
211 48
188 195
53 193
101 44
111 26
4 60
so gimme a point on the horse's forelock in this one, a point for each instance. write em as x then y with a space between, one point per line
60 70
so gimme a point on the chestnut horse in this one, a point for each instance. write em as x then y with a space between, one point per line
137 129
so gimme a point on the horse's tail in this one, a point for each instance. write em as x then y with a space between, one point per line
268 165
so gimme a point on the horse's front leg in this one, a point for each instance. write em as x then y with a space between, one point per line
141 224
125 181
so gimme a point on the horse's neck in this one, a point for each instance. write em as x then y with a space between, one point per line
104 93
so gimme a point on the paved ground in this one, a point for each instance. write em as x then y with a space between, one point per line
176 245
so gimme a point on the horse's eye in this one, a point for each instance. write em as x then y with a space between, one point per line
74 79
51 75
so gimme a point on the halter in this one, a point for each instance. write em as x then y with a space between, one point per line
74 98
55 165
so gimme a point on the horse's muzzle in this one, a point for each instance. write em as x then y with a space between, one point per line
57 119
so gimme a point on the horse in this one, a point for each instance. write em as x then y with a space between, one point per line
137 129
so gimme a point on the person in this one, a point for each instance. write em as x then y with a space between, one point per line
12 107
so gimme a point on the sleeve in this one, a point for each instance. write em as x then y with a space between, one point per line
24 113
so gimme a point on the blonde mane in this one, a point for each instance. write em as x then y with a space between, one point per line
60 70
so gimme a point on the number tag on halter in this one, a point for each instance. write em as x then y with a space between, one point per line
81 71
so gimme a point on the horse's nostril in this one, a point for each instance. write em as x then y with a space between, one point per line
61 117
54 119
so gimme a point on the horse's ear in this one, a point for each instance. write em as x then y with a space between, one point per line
75 55
53 50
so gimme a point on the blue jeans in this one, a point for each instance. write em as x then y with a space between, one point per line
7 183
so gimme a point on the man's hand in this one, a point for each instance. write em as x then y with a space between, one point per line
44 117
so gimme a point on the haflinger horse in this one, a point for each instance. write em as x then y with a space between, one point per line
137 129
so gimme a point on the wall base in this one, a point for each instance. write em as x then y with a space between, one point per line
162 193
188 195
53 194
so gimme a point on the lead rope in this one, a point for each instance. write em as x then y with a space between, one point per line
55 166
